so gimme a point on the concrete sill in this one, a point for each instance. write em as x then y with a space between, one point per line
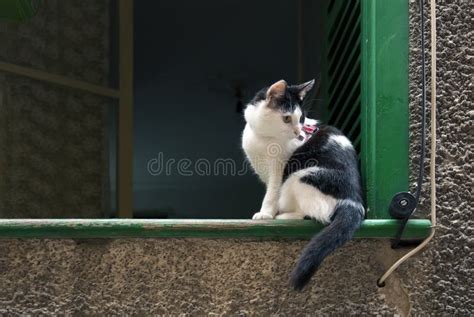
214 228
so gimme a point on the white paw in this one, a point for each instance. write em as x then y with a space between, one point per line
262 216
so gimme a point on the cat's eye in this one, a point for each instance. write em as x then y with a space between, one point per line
287 119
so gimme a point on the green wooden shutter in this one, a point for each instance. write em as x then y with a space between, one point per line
365 85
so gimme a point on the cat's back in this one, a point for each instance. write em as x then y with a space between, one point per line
327 148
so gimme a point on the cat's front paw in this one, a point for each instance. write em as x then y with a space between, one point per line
262 216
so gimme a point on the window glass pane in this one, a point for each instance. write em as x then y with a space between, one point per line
54 141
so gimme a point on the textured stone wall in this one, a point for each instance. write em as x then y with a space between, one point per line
53 157
239 277
441 279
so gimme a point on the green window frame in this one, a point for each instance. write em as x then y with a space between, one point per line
385 113
367 47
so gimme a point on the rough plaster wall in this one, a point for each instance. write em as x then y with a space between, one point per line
248 277
441 279
53 157
171 276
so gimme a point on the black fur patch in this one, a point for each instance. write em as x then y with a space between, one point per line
290 101
287 103
339 176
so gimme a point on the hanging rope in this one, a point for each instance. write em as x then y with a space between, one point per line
381 280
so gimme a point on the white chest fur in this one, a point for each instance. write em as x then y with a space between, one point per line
266 155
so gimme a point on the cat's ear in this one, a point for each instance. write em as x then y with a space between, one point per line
304 88
277 89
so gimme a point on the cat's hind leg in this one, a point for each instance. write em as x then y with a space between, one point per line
287 203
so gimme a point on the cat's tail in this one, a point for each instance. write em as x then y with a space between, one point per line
346 219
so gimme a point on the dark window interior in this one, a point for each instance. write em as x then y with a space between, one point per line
196 65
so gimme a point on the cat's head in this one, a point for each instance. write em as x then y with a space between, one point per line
276 111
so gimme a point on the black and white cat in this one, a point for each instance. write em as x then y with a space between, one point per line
318 178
